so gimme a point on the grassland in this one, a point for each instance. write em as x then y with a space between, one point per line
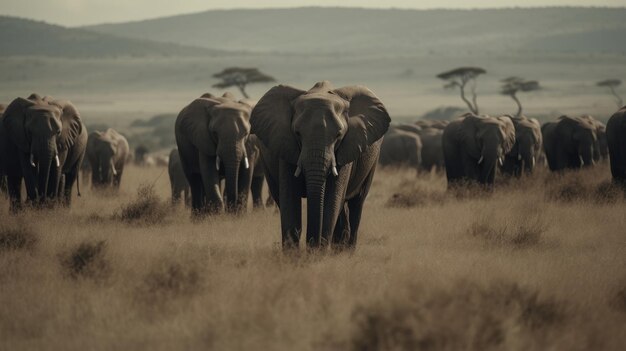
539 264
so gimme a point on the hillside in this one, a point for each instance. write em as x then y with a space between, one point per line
394 31
28 37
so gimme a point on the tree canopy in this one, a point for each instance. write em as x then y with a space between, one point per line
240 77
513 85
612 84
460 77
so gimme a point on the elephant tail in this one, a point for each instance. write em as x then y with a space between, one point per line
78 183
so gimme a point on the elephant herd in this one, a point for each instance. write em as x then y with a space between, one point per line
475 148
322 144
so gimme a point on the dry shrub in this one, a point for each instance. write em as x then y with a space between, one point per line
618 301
87 260
17 238
581 186
416 196
518 232
569 189
146 208
607 192
168 282
465 317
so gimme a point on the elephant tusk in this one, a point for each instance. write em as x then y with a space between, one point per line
582 162
481 159
533 162
246 163
113 168
217 163
56 159
298 171
519 157
32 160
335 171
500 161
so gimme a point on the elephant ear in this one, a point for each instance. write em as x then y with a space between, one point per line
368 121
228 95
71 124
508 133
271 122
194 121
13 121
468 134
207 96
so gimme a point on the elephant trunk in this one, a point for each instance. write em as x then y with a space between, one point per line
43 154
526 154
488 161
585 153
316 163
232 158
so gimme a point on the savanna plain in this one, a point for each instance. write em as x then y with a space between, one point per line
537 264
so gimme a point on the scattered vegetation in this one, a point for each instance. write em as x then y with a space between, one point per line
17 237
521 232
416 195
147 208
572 188
87 260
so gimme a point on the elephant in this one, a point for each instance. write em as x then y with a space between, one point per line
258 175
568 143
323 145
432 149
211 134
178 181
401 148
41 142
600 147
616 140
527 148
107 153
473 146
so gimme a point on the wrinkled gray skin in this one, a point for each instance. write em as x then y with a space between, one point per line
523 157
569 143
322 145
41 140
616 141
401 149
473 147
258 174
107 153
178 181
432 149
211 134
600 147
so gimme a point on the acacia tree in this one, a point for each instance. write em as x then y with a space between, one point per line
461 77
612 84
513 85
240 77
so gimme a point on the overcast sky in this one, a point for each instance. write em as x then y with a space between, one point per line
82 12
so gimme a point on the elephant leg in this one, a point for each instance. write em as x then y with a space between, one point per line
334 203
210 179
341 234
197 194
290 204
175 193
14 185
355 209
256 188
70 179
617 157
117 179
187 196
30 179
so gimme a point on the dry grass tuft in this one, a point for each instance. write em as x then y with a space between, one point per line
517 232
147 208
17 238
415 195
607 192
87 260
171 280
569 189
465 317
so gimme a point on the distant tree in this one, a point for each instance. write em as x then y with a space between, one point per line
240 77
513 85
612 84
460 77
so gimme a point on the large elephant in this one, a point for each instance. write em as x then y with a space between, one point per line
473 146
178 181
401 148
322 144
616 139
432 149
527 148
211 134
107 153
38 137
568 143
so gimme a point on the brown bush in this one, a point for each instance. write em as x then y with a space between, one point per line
170 280
87 260
519 233
17 238
416 196
147 208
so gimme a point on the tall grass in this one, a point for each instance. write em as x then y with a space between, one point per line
538 264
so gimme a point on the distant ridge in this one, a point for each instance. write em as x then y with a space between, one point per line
24 37
326 30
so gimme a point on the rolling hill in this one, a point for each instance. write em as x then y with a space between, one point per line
388 32
23 37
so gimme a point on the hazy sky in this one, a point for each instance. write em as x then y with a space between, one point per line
81 12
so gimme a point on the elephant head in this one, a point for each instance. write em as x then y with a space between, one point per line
528 141
40 129
486 140
222 133
319 131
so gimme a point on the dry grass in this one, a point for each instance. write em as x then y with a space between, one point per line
536 264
